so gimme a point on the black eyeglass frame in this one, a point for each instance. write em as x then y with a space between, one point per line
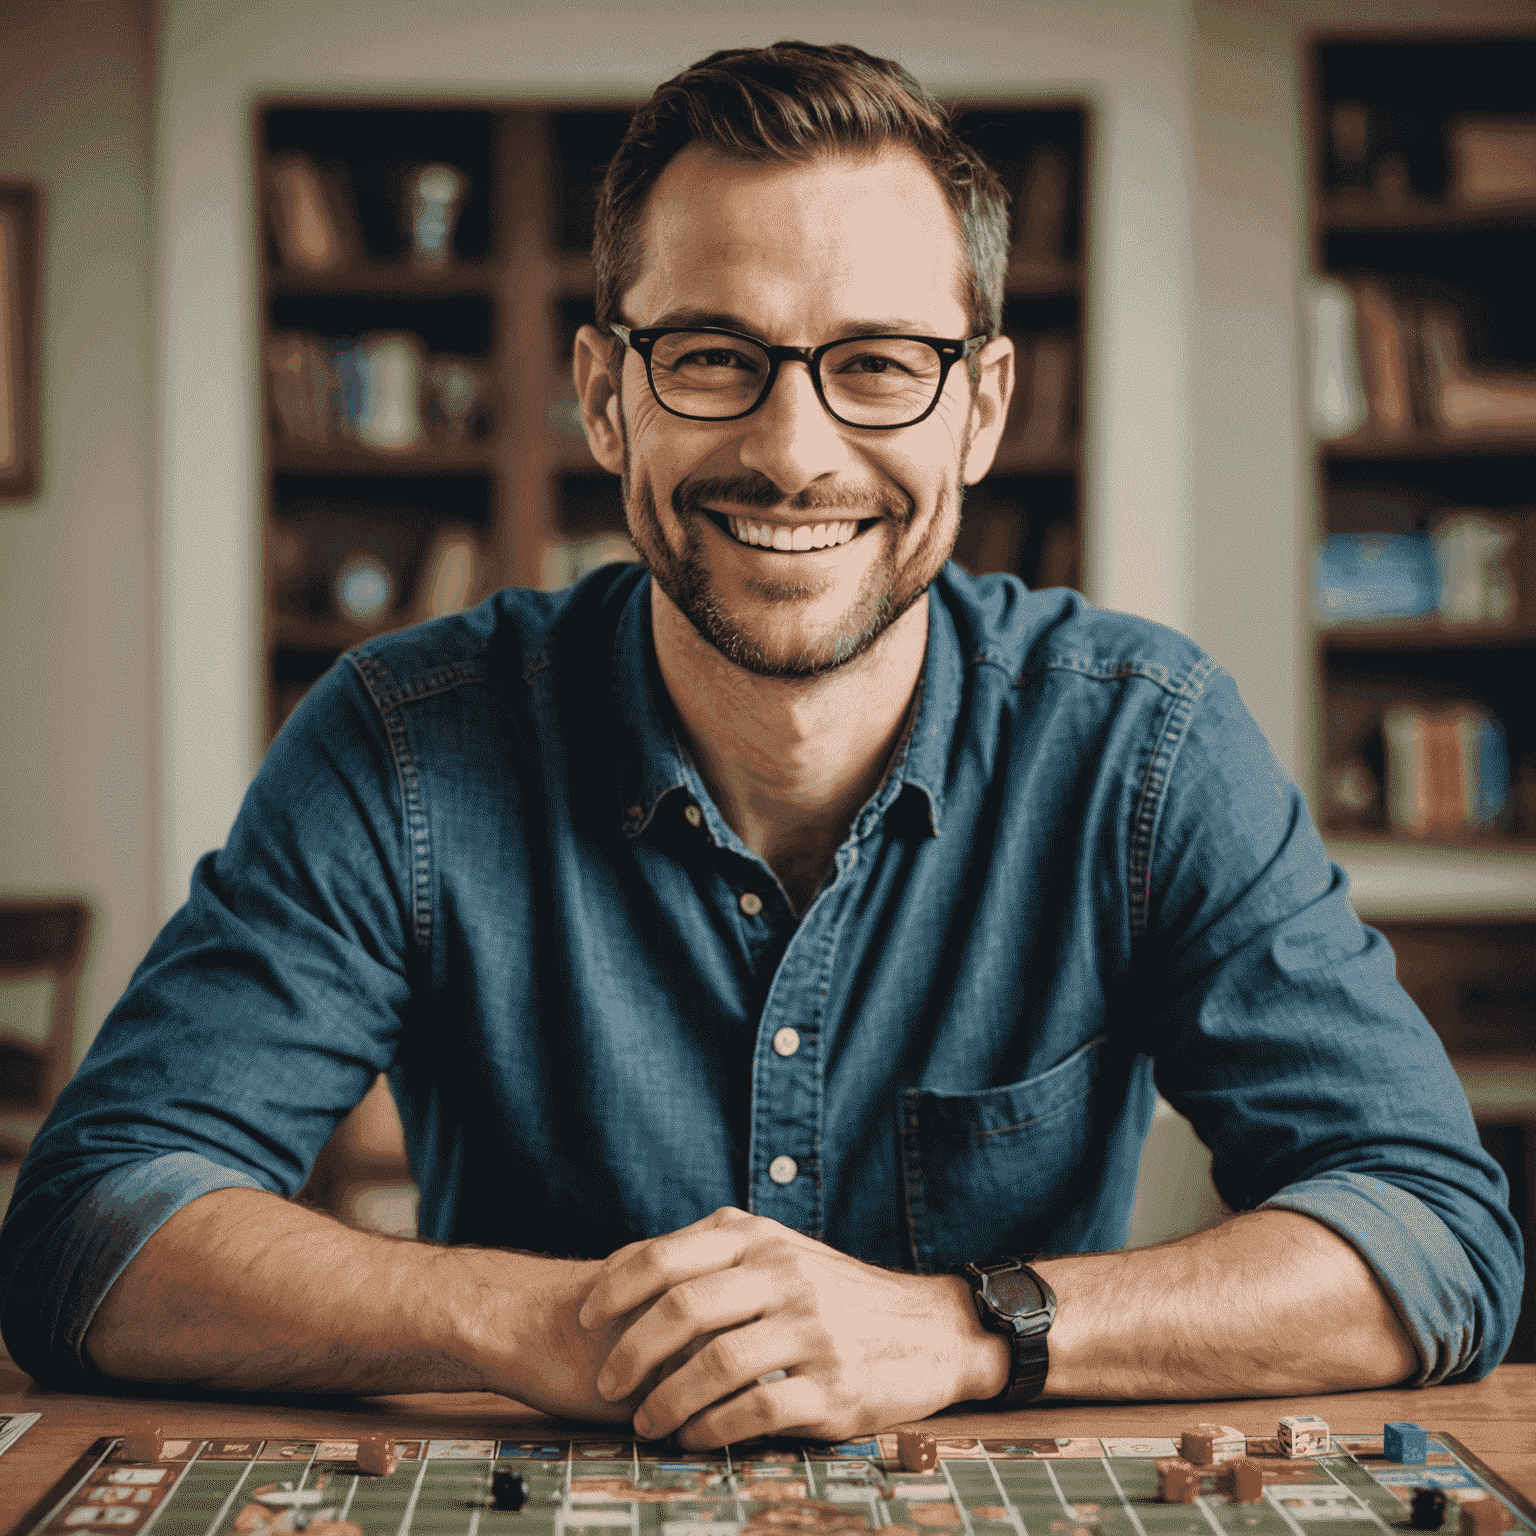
950 350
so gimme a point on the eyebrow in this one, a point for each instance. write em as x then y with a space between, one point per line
890 325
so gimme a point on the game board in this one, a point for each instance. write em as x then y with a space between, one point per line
1024 1487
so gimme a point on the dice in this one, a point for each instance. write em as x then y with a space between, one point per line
1304 1434
1404 1442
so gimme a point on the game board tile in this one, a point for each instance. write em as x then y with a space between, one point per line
850 1450
480 1450
534 1450
287 1450
1145 1447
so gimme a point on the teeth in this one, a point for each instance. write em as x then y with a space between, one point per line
801 537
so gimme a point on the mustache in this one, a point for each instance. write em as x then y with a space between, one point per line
757 493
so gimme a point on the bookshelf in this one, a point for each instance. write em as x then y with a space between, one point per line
371 482
1423 171
355 512
1423 156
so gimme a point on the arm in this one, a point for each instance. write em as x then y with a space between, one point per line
1269 1303
243 1291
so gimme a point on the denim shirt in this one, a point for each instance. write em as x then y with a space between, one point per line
480 858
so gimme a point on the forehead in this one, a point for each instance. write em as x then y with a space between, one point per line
803 248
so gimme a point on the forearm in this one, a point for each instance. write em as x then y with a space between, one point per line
242 1290
1268 1304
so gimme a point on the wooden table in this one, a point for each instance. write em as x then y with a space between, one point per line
1495 1419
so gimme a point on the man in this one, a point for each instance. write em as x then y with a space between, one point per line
776 932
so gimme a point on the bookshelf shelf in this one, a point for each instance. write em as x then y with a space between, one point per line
1422 444
478 457
379 279
1420 210
1423 217
1430 635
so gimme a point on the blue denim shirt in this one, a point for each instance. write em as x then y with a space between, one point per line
480 858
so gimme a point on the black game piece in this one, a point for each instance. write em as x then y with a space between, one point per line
1428 1513
509 1490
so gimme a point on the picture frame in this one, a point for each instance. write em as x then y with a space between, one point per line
21 241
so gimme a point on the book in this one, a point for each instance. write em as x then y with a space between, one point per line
309 212
1461 399
1044 207
300 388
1045 421
1493 159
1382 334
1447 769
452 576
1375 578
1339 405
1472 554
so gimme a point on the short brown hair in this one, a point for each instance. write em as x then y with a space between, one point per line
795 102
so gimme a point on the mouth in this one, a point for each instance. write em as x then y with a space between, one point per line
786 538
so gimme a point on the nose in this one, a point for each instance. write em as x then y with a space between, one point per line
790 438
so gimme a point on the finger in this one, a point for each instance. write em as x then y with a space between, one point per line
730 1361
680 1321
793 1406
660 1264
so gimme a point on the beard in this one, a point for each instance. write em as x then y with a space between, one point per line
889 588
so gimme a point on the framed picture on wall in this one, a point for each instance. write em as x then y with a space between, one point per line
21 242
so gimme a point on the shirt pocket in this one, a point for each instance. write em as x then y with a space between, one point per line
1004 1170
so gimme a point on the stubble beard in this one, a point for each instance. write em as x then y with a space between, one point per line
884 595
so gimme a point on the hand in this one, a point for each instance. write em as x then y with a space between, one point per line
541 1355
735 1298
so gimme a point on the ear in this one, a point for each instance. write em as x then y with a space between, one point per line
989 410
600 404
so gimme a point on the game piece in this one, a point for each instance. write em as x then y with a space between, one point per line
1208 1444
143 1444
918 1450
1481 1517
509 1490
376 1454
1304 1434
1428 1509
1404 1442
1177 1480
1242 1480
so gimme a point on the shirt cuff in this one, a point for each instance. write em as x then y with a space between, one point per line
1420 1264
110 1225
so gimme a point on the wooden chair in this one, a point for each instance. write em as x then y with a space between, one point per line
40 940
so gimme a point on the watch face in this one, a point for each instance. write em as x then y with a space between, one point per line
1015 1294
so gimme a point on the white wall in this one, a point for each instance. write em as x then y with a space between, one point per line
77 699
1130 59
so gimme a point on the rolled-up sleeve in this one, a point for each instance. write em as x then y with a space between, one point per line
1280 1030
261 1015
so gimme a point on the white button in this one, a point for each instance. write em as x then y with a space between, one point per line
694 815
752 904
787 1041
782 1170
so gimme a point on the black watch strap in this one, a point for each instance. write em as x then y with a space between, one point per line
1026 1328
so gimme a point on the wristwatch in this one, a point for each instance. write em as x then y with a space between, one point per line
1011 1299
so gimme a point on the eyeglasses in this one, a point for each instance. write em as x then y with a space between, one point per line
881 382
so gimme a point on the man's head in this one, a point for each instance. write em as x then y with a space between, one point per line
795 196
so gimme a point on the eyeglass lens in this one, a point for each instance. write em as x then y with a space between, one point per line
867 382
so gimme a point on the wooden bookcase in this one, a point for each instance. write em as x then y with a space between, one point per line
516 288
1390 209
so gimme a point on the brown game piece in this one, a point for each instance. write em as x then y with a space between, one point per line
1177 1481
918 1450
1481 1517
1242 1480
142 1444
376 1454
1206 1445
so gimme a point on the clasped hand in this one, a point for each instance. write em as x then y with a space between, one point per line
734 1300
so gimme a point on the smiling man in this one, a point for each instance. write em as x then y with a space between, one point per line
792 930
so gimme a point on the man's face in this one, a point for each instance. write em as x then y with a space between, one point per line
798 255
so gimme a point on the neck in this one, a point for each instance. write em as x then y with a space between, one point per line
790 762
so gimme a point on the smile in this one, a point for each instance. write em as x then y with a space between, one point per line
780 536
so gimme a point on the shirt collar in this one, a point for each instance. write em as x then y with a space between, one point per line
652 760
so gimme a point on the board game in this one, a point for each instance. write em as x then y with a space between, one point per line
993 1487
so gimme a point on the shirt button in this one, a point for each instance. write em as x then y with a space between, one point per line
787 1041
694 815
751 903
782 1170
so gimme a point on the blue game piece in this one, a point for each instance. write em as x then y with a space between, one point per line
1404 1442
